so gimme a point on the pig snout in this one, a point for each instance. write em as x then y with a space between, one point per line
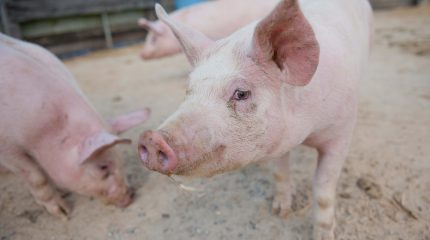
126 200
156 153
120 197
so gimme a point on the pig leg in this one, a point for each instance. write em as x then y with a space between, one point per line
331 156
283 197
41 189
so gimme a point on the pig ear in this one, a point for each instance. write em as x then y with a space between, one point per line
286 38
150 26
124 122
193 42
97 143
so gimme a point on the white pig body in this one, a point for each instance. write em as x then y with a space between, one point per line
216 19
291 78
49 132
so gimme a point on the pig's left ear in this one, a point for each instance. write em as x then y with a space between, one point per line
97 143
286 38
193 42
124 122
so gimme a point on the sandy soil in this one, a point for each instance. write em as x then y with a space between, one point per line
390 153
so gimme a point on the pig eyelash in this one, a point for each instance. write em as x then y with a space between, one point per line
240 95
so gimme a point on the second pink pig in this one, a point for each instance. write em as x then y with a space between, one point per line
51 136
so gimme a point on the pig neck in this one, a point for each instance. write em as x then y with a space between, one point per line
315 109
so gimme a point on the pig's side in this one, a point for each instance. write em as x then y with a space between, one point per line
216 19
51 136
291 78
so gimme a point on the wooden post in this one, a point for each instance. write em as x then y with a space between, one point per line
106 30
10 28
4 18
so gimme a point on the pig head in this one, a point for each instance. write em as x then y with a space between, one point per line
236 108
93 167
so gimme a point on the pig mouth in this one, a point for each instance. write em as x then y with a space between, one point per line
203 166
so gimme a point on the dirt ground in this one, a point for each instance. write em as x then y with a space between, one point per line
390 150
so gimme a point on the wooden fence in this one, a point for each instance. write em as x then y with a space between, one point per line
70 26
77 26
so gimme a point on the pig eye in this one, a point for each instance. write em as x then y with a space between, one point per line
105 171
103 167
241 95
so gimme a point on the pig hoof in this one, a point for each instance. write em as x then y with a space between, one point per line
281 205
322 234
323 231
58 207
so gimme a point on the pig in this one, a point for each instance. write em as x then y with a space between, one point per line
216 19
50 135
288 79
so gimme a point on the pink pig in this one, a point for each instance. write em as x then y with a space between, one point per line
49 133
216 19
291 78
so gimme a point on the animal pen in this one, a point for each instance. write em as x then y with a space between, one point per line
70 28
76 27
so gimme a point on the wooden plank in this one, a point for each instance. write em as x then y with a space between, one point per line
60 26
83 46
25 10
4 18
47 27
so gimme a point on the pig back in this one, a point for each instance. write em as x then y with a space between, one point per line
41 55
36 104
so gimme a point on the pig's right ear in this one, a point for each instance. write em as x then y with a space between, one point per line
193 42
286 38
150 26
97 143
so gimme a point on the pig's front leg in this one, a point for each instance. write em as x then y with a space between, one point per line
283 197
331 157
41 189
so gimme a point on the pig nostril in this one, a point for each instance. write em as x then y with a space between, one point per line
143 152
163 158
